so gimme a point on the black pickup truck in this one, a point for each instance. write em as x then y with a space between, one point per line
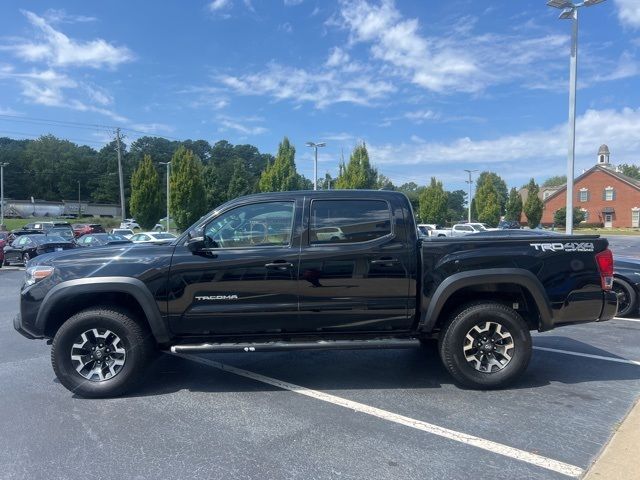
311 270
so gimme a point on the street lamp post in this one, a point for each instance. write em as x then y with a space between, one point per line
168 164
2 165
470 182
79 204
315 146
570 12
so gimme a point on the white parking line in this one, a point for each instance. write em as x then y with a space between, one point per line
627 319
588 355
493 447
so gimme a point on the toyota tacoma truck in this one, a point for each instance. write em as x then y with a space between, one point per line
260 274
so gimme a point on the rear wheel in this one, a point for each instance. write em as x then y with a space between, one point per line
627 297
485 345
26 257
100 352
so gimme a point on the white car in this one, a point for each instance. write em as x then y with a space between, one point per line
157 238
330 234
125 232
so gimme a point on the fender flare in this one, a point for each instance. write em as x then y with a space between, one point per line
132 286
431 309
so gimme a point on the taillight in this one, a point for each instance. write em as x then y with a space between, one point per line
604 260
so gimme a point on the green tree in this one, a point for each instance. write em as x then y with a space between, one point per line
433 203
513 209
146 200
556 181
239 184
488 204
358 173
455 205
498 184
412 191
560 217
474 210
384 183
215 194
533 206
187 200
632 171
281 175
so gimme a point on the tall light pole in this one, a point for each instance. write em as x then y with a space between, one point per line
79 204
168 164
120 176
470 182
2 165
315 146
570 12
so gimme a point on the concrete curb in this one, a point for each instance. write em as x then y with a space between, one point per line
619 458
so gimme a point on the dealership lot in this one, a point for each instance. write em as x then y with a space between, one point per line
383 413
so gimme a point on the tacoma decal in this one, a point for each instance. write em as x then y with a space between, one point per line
216 297
564 247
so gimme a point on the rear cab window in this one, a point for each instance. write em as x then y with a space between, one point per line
348 221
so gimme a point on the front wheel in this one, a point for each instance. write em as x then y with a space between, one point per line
485 345
25 258
100 352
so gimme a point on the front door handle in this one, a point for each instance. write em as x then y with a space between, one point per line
279 265
384 261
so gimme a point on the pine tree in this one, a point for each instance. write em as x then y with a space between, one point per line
498 184
146 197
358 173
488 204
433 203
281 175
188 201
239 185
514 206
533 206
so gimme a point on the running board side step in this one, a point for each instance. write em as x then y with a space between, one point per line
282 346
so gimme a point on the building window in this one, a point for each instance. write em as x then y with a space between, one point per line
584 195
635 217
546 194
609 194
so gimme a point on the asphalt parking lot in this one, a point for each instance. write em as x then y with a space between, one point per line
335 414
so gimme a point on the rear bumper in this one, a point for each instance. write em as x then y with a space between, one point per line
609 307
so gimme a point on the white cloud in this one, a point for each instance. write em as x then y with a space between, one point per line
285 27
513 155
629 12
241 125
419 116
58 50
60 16
337 56
217 5
290 3
153 127
322 87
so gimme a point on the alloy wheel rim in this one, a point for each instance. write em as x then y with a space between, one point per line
488 347
98 354
623 298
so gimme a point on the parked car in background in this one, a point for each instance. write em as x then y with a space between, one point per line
80 229
20 232
424 230
330 234
509 225
123 232
459 230
157 238
130 223
63 232
26 247
101 239
626 284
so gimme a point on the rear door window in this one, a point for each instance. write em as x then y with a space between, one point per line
348 221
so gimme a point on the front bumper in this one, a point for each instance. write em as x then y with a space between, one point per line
22 330
609 306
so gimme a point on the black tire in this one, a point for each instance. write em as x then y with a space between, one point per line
627 297
136 340
25 258
453 338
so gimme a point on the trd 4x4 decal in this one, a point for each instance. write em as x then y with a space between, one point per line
564 247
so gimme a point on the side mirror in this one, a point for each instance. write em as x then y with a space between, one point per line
195 244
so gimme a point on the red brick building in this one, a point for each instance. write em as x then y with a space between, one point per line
603 194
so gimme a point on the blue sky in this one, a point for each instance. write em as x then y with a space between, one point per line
432 87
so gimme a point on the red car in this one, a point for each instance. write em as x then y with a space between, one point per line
4 239
80 229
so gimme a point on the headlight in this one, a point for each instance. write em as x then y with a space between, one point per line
37 273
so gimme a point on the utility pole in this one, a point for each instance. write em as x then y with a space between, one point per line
120 176
2 165
168 164
470 182
315 146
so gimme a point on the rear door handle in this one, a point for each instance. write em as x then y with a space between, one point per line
279 265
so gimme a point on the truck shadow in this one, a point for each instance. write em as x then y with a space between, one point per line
401 369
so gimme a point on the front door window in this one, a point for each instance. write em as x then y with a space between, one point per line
635 218
608 220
